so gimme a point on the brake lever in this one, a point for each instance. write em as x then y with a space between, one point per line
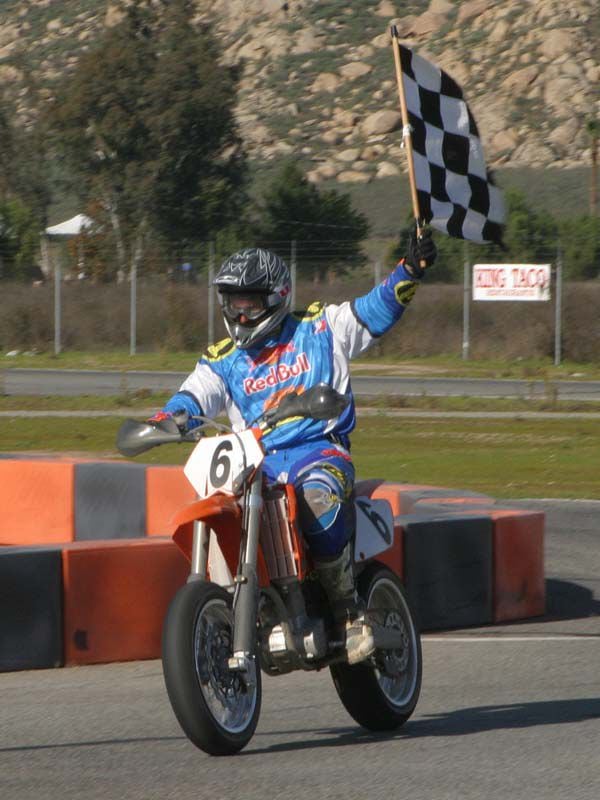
192 436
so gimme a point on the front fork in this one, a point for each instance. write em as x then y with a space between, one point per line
245 603
245 599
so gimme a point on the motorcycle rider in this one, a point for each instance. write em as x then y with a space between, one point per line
272 351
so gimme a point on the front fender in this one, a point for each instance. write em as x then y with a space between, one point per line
223 515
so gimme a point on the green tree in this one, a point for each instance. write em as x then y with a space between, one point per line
19 241
146 123
328 232
580 243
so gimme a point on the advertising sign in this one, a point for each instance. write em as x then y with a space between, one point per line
511 281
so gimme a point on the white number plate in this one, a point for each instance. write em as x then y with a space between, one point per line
217 463
374 527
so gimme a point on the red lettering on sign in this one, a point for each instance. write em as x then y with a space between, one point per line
490 279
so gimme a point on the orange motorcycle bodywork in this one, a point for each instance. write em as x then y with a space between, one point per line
223 515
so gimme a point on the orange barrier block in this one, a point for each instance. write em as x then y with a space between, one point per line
36 502
116 594
518 547
167 491
458 504
400 496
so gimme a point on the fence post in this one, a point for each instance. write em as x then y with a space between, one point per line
558 309
293 267
377 273
466 301
211 293
133 307
57 306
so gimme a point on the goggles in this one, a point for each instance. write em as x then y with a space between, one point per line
239 304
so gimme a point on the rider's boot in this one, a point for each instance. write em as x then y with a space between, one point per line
337 578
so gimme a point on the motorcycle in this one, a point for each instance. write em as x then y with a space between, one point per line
252 603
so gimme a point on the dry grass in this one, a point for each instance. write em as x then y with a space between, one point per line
174 317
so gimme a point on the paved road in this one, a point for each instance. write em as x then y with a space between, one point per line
77 382
508 712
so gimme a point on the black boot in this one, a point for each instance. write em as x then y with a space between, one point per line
337 578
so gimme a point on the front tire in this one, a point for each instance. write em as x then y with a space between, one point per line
381 693
217 708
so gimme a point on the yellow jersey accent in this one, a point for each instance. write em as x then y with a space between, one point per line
405 291
313 311
219 350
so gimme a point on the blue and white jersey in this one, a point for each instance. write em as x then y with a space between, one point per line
311 347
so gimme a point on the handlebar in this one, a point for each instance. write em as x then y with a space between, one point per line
319 402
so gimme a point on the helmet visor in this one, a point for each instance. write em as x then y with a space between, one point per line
238 306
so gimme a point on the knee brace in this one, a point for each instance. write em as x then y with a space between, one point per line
325 510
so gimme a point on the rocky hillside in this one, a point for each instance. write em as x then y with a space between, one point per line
318 75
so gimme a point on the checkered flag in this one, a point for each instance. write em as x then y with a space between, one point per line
456 192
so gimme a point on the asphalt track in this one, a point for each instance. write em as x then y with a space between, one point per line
91 382
505 713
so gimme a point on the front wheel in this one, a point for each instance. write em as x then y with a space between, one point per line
217 708
381 693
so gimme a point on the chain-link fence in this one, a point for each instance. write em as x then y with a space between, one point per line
173 307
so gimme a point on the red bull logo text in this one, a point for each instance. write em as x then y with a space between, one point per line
278 374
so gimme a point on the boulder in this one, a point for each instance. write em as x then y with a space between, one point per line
351 154
305 42
333 136
114 15
563 137
440 7
259 134
472 8
521 78
380 122
328 169
345 118
352 176
356 69
559 92
386 9
387 170
557 42
325 82
533 154
428 23
503 143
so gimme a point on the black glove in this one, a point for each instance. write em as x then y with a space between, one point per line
421 253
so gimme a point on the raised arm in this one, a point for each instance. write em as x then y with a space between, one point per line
358 323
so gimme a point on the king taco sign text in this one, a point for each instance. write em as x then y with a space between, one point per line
511 282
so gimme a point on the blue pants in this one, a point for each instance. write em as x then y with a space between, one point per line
323 475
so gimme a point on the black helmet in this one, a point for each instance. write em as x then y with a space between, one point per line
254 284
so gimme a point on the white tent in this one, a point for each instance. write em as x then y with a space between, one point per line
70 227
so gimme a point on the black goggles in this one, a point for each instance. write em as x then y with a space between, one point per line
240 304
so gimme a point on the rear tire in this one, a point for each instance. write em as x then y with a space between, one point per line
217 708
381 693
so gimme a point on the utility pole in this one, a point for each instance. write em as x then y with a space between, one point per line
593 129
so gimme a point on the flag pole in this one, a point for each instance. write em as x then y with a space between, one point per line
406 131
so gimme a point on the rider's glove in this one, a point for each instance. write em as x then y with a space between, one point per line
165 420
421 253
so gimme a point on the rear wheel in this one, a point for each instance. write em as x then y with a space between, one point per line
217 708
382 692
